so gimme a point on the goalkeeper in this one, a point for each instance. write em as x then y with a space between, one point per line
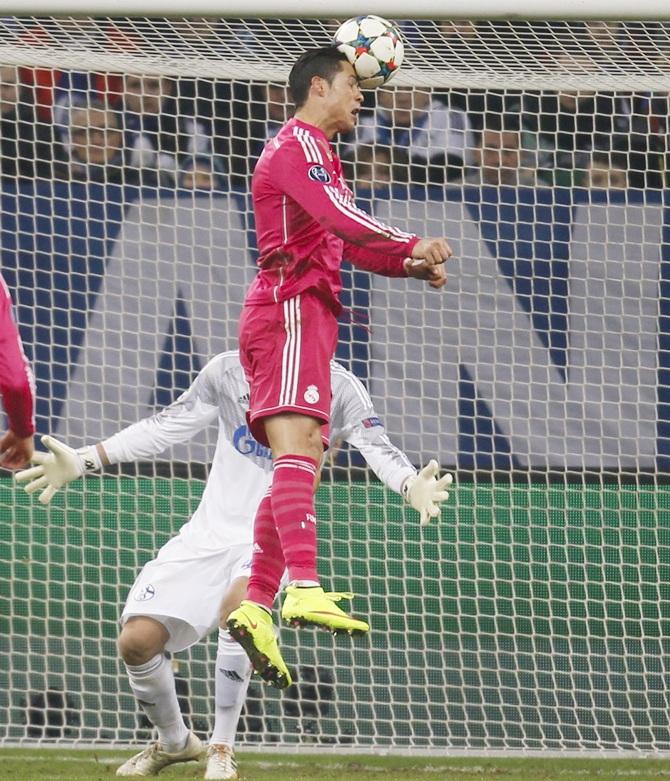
175 600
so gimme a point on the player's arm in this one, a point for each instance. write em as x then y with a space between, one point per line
361 427
391 266
180 421
386 265
17 387
424 490
177 423
308 177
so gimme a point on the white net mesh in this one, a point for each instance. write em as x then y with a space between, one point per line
526 55
535 615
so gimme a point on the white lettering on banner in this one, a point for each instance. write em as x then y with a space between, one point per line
603 415
165 251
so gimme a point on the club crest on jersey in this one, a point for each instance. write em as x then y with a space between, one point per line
311 395
317 173
144 593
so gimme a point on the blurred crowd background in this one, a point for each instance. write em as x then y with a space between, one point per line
205 134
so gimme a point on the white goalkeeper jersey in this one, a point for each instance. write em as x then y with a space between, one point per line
241 469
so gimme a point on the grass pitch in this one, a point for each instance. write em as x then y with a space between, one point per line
57 765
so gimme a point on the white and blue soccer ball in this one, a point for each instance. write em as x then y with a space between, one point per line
373 46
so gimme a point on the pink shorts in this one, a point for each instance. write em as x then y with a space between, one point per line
285 350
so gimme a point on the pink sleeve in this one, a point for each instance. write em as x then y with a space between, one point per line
16 377
386 265
314 186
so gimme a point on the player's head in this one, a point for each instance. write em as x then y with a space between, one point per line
323 83
325 62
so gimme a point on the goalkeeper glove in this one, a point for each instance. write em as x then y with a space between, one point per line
57 468
425 492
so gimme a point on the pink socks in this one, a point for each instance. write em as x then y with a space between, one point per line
285 530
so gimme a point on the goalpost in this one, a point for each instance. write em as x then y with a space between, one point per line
536 614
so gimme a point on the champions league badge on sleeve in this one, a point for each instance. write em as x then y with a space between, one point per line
317 173
143 593
372 422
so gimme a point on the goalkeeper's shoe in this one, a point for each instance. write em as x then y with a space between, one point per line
221 763
154 758
253 629
312 606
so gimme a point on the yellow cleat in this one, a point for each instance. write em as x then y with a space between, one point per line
312 606
253 629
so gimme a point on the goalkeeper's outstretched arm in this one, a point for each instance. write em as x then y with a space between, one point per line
61 464
424 490
355 418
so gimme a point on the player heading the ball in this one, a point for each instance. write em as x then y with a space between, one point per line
307 222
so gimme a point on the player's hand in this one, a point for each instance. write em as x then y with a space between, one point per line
432 251
436 276
15 451
425 492
55 469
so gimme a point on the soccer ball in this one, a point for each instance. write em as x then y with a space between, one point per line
373 46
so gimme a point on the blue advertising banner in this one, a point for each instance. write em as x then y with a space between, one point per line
548 348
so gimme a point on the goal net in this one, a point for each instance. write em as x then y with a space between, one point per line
536 613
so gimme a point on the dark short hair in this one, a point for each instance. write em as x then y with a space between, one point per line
326 62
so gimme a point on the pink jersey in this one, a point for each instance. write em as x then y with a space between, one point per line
307 222
16 378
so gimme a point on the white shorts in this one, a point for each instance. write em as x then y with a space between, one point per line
184 591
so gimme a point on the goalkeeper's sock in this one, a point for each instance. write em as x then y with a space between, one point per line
267 564
231 681
154 688
293 510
